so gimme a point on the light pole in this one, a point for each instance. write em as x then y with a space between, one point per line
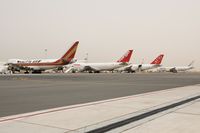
86 58
45 53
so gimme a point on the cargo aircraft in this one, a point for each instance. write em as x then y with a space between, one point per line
39 65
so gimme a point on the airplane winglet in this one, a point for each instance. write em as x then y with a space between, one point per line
191 64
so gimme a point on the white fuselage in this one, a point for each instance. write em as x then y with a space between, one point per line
138 67
35 64
3 69
177 68
143 67
97 66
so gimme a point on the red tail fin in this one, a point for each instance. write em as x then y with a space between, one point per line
158 60
126 58
69 55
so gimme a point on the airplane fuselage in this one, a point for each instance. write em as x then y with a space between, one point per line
3 69
97 66
36 64
143 67
176 68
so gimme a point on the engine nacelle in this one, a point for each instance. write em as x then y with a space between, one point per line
139 66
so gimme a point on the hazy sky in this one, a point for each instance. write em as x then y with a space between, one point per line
106 29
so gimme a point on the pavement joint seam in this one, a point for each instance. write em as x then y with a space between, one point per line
148 114
185 113
31 123
161 115
146 110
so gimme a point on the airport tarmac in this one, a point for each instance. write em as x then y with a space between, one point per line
28 93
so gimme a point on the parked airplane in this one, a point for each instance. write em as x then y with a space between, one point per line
142 67
98 67
3 68
39 65
176 69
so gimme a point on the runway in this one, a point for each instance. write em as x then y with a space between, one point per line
27 93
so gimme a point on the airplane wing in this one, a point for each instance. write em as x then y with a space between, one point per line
124 63
173 70
128 68
89 68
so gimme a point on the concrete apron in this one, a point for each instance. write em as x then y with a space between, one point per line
91 116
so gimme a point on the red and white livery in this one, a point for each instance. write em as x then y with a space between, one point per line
142 67
98 67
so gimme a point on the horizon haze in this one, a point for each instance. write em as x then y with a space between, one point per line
106 29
